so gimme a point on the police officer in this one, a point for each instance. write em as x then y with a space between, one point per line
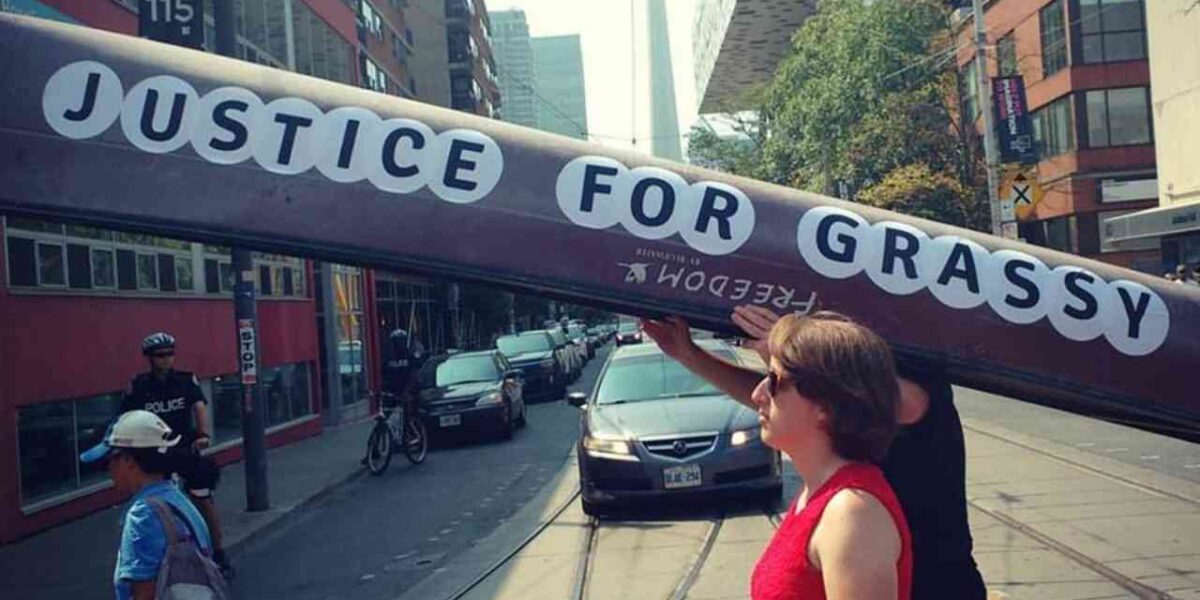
404 357
176 397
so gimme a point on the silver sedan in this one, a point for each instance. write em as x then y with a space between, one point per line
651 428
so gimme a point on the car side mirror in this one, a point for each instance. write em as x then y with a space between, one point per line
512 374
577 399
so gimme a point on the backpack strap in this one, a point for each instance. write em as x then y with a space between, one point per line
164 516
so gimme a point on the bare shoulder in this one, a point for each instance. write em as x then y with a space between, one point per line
857 505
858 522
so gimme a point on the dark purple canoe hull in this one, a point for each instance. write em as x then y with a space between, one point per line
122 132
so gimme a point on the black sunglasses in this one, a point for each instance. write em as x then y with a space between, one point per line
773 381
162 354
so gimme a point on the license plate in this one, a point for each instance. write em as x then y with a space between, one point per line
450 420
683 476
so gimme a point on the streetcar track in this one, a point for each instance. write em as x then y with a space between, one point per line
693 571
474 583
584 568
588 552
1090 469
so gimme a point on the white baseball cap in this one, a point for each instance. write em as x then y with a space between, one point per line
134 429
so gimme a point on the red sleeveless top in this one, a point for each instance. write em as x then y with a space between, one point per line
784 572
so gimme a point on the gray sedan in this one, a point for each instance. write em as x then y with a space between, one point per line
651 428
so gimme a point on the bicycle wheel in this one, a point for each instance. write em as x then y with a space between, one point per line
379 449
416 440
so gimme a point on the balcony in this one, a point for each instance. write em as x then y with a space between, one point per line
460 9
460 46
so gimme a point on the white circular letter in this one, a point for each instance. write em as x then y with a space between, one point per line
830 241
1016 285
156 115
468 166
284 135
1136 320
1076 303
892 257
222 125
82 99
717 218
957 267
590 190
401 153
344 151
652 209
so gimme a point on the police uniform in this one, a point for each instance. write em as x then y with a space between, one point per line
172 398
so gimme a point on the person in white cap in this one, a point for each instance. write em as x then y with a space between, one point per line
135 451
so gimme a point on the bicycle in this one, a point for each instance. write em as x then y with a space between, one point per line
407 430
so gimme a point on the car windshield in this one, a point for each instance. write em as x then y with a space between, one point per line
628 327
575 331
467 369
652 377
512 345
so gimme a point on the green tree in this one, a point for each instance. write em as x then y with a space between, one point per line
864 106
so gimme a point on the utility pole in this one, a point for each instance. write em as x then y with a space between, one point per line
254 438
990 151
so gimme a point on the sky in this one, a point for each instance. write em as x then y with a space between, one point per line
605 34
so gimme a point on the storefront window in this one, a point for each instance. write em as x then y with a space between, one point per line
288 392
226 401
351 355
50 437
47 443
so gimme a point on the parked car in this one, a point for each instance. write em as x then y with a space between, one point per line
578 335
628 332
568 353
532 352
472 393
652 428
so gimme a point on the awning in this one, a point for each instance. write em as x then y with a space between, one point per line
1153 222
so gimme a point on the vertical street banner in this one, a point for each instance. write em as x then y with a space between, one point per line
1014 129
177 22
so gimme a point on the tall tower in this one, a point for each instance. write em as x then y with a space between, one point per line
664 121
514 61
558 61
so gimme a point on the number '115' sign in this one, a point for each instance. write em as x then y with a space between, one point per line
179 22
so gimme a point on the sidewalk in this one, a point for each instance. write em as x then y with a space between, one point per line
76 560
1053 522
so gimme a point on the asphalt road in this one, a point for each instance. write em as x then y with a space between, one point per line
377 536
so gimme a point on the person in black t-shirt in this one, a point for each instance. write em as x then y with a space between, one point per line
176 397
925 464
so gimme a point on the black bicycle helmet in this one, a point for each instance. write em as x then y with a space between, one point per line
157 341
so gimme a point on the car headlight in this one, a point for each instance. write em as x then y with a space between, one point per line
744 436
490 399
606 447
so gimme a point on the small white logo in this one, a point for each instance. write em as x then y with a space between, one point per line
637 272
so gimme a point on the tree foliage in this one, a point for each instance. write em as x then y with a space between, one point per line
864 106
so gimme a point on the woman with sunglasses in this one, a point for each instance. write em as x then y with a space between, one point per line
829 402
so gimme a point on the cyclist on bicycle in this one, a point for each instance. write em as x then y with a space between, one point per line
404 357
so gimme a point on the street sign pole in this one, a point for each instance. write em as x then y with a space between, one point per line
245 314
989 124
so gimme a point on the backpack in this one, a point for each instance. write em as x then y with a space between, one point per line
187 572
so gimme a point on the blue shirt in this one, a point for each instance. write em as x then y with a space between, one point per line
144 539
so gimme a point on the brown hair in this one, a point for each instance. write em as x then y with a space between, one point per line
848 370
